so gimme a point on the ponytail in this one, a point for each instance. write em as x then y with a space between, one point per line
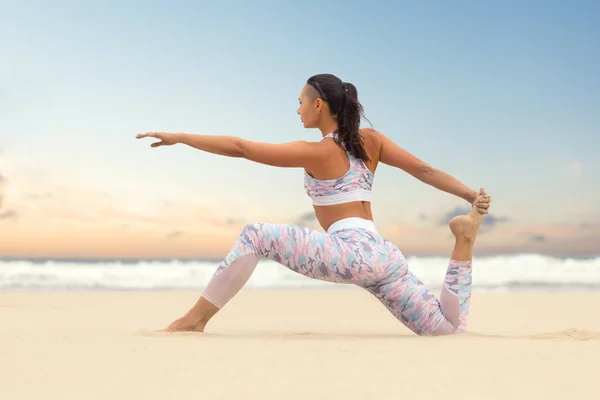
348 120
342 98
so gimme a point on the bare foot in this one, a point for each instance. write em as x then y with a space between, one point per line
195 319
466 226
185 324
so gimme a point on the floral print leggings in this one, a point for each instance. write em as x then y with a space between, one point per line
352 255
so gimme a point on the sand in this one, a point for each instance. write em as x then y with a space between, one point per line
294 344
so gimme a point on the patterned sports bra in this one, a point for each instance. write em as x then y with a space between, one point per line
354 185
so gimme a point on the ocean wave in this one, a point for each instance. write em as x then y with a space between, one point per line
498 273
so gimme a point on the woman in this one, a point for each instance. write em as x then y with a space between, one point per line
339 172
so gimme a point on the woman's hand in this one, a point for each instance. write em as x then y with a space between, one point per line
482 200
166 139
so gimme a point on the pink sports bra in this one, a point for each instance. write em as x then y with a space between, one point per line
354 185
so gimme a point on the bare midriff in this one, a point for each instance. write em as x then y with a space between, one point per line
327 215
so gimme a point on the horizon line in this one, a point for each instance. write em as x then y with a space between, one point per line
218 259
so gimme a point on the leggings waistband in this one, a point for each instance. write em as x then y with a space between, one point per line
352 223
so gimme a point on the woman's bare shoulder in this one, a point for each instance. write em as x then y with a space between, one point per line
370 134
372 141
372 138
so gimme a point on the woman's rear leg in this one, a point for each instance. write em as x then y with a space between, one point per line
407 298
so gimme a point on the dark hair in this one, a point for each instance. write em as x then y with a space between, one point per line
342 98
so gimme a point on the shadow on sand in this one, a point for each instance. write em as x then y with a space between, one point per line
568 335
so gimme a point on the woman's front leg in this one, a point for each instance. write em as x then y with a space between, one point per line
303 250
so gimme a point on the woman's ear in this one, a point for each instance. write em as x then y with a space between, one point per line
318 105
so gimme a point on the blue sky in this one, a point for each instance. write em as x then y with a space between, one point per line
504 96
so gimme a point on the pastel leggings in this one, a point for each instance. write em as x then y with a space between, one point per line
353 256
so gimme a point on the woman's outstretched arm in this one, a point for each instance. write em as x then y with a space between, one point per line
394 155
299 154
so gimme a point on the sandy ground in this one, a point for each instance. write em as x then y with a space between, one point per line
294 344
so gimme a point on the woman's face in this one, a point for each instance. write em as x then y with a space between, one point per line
310 107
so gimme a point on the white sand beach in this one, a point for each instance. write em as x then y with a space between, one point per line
294 344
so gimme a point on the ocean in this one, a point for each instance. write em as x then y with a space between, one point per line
526 272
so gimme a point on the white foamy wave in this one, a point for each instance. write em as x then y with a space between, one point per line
511 272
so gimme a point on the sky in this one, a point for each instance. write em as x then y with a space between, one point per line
501 95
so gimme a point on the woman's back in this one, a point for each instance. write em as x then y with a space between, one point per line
337 166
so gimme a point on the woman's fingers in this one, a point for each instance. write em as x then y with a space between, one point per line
482 202
147 134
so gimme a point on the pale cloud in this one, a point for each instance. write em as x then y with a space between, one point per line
3 180
308 220
2 184
187 231
418 240
108 243
83 228
63 210
590 224
538 237
175 234
505 238
59 203
490 220
306 217
10 214
235 221
49 215
401 230
559 239
574 169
